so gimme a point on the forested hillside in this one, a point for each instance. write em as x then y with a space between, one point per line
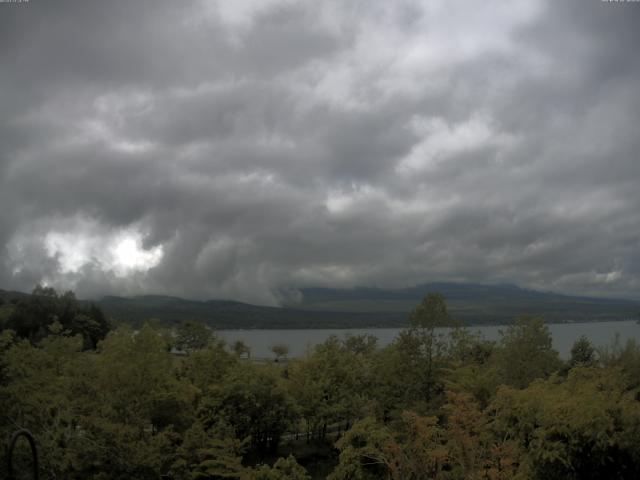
373 307
363 307
224 314
472 303
426 406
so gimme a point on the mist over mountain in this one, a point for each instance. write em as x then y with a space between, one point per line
367 307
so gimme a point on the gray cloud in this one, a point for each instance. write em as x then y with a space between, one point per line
231 149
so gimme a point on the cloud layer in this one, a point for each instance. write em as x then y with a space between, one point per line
237 148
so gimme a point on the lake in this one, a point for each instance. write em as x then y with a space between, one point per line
302 341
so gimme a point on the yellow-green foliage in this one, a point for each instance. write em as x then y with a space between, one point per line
425 407
584 426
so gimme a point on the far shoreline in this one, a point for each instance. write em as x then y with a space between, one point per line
379 327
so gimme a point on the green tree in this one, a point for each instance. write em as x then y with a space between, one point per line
417 450
6 309
526 352
470 368
402 379
240 348
280 350
136 383
584 427
283 469
207 368
430 314
331 387
39 393
625 357
410 372
253 401
32 317
469 439
364 452
7 339
192 336
364 344
213 453
468 347
582 352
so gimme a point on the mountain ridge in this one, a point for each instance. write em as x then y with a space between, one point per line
472 303
365 307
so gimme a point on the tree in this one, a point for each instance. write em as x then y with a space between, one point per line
467 347
526 352
430 314
207 368
5 312
416 451
280 350
582 353
470 368
363 452
420 452
402 377
625 358
7 339
252 400
211 453
33 315
331 387
240 348
364 344
283 469
192 336
584 427
135 379
469 439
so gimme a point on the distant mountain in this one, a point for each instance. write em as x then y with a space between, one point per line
366 307
225 314
472 303
9 296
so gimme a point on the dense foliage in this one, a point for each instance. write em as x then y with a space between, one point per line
138 404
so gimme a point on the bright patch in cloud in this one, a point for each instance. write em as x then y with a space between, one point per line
121 253
128 254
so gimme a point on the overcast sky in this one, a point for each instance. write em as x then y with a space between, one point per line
235 149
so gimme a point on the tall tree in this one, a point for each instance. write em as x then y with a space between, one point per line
192 336
254 402
582 353
240 348
33 316
526 352
430 314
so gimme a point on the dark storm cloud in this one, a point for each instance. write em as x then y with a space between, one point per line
232 149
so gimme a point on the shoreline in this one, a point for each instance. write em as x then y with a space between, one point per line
378 327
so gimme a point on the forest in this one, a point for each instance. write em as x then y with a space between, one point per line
149 403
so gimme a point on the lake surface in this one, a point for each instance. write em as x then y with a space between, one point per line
302 341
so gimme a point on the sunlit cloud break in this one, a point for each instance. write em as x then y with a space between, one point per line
121 252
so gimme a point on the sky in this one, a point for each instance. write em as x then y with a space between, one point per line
244 149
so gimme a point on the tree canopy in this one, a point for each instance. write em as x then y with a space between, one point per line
434 404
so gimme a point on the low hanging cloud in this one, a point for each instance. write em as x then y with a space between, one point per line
237 149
